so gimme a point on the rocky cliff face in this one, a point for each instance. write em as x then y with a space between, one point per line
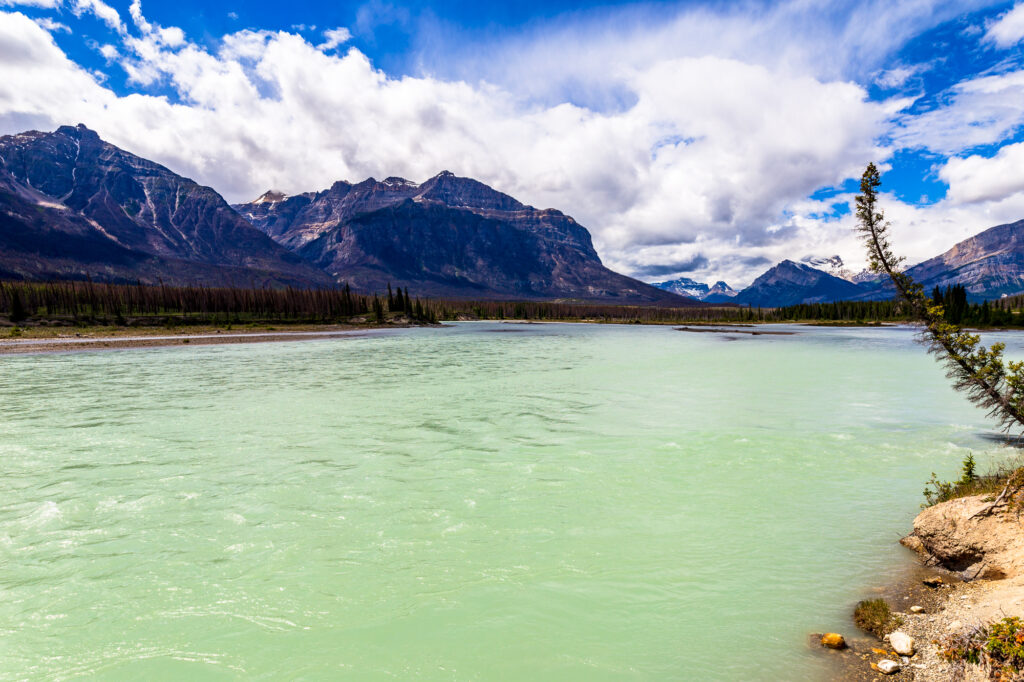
988 264
789 283
448 236
130 218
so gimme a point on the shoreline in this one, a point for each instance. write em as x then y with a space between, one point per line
132 338
978 559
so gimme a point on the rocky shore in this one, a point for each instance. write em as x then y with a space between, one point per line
972 574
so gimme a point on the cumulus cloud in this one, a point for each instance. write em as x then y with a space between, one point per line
1008 30
703 166
978 179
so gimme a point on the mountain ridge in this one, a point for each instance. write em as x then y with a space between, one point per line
153 223
470 240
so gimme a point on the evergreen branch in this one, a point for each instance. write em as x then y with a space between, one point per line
977 371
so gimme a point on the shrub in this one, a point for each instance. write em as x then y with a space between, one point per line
875 616
998 647
1005 645
971 483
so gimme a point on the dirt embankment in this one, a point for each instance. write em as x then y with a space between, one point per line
972 574
982 545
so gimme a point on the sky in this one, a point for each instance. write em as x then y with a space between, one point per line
707 140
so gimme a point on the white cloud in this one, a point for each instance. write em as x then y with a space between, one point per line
705 163
48 4
52 26
334 38
977 179
979 111
104 12
1008 30
898 76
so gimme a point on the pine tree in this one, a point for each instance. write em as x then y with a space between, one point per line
18 312
976 370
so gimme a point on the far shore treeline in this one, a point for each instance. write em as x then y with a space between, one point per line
93 303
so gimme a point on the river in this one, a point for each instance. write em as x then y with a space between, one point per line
482 501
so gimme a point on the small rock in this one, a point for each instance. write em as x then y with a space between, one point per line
888 667
955 625
833 640
902 643
883 652
934 581
917 609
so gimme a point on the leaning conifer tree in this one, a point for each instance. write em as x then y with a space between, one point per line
977 371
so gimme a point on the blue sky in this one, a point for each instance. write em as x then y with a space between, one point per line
695 139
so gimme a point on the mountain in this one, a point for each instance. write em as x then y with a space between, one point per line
449 236
988 265
684 286
833 265
720 293
75 206
789 283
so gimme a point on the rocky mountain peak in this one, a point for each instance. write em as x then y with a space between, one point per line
452 190
78 132
790 282
271 197
448 236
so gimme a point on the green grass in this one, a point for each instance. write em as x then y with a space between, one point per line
875 616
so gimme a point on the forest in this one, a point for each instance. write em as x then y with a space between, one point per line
91 303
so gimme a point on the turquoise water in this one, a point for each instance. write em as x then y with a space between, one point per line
479 502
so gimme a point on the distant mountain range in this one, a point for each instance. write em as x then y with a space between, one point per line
989 265
719 293
74 206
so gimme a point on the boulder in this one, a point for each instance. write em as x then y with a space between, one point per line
833 640
888 667
902 643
